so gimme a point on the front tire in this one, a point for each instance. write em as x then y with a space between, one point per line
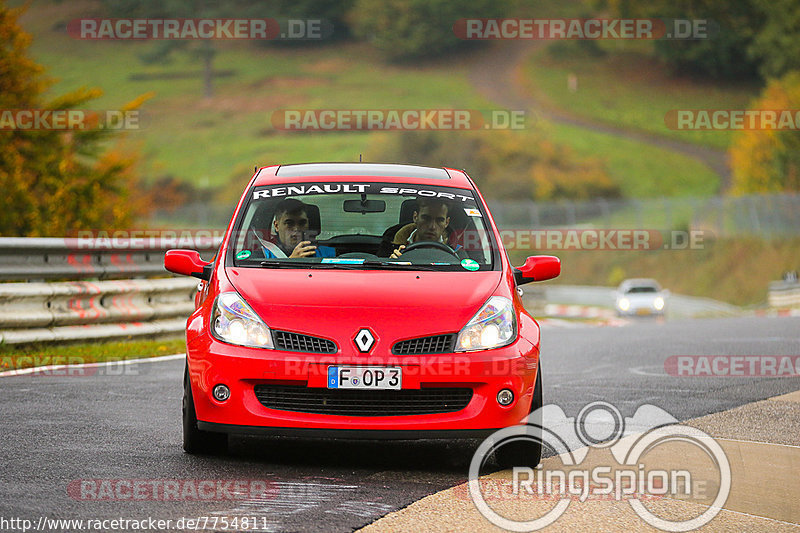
527 452
196 441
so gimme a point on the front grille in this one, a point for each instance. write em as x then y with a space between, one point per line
295 342
433 344
363 402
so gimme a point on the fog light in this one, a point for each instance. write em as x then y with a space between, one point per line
505 397
221 393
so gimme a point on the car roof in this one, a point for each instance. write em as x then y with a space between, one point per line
380 172
639 282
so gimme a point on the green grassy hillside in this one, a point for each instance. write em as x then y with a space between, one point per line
209 141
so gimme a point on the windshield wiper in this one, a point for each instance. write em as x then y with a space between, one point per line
282 263
389 265
399 265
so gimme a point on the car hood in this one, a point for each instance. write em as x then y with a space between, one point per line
338 303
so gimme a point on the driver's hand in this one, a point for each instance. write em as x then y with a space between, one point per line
398 252
303 249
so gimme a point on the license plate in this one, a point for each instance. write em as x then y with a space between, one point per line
643 311
365 377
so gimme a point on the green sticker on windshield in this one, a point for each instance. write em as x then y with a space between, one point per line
470 264
244 254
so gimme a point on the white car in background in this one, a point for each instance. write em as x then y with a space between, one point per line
641 297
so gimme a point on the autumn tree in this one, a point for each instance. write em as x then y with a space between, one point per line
768 160
55 181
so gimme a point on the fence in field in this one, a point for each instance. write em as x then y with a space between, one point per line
766 216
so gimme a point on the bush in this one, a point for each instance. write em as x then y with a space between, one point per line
724 54
413 29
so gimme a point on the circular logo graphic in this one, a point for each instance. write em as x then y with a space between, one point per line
244 254
601 425
470 264
598 414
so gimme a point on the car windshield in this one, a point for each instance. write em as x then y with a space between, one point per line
634 290
357 225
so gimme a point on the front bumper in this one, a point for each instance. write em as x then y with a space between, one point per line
645 310
212 362
348 434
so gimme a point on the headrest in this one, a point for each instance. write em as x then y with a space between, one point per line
407 209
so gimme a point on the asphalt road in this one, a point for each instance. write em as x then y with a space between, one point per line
56 431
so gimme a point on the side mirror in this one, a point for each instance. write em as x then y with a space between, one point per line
538 268
188 263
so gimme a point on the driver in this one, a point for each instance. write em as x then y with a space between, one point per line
430 224
291 223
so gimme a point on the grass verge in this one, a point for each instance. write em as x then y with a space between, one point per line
14 357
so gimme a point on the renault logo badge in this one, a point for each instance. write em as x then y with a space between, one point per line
364 340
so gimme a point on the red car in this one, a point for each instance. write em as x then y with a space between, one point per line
362 301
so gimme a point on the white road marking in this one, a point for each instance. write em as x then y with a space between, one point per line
50 368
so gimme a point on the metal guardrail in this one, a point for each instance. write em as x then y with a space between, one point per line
24 259
783 294
98 299
102 301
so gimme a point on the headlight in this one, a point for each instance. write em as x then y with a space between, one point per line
494 326
233 321
624 304
658 303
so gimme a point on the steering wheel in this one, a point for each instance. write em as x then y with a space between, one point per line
429 244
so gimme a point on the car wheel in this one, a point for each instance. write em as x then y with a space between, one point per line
196 441
526 452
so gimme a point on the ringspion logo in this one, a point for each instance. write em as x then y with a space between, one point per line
664 460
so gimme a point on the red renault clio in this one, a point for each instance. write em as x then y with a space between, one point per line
355 300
